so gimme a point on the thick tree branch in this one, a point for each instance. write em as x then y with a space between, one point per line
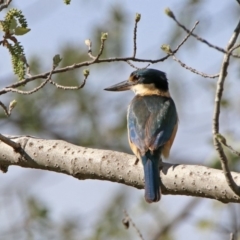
85 163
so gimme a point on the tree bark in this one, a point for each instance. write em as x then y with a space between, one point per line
86 163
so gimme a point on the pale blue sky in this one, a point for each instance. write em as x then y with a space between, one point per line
54 24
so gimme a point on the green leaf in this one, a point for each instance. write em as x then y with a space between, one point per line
88 42
13 24
56 60
137 17
169 12
86 72
12 104
204 224
21 31
1 25
166 48
221 138
104 36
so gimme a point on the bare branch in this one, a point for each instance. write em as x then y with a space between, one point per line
35 89
75 66
14 145
224 142
168 50
95 60
137 19
8 110
89 44
133 66
126 221
70 88
217 106
135 40
86 163
235 47
233 150
5 5
4 108
193 70
178 219
201 39
28 71
101 49
186 38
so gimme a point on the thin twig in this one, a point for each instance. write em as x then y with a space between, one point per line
133 66
5 5
4 108
35 89
170 52
11 106
217 108
135 38
78 65
186 38
233 150
69 88
193 70
201 39
90 55
223 140
126 221
178 219
235 47
89 44
100 50
28 72
14 145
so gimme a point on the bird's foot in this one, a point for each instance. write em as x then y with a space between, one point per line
136 161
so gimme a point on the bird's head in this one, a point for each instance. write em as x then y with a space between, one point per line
144 82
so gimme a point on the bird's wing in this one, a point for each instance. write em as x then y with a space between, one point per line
151 121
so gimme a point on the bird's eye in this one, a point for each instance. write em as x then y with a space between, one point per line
133 78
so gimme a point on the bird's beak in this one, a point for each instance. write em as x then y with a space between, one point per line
122 86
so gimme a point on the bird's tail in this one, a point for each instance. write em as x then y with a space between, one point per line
152 178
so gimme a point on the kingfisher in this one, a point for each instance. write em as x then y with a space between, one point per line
152 122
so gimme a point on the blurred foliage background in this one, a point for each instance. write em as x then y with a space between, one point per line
92 118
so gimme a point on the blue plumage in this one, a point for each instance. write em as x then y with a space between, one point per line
152 123
150 163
